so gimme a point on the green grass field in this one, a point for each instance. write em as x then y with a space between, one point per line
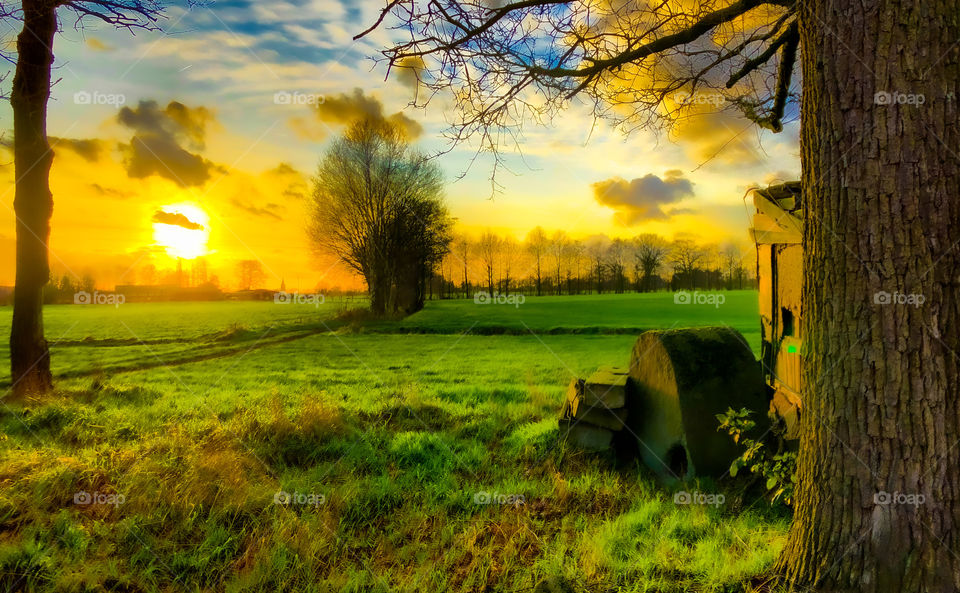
418 455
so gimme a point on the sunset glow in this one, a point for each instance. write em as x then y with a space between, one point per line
180 241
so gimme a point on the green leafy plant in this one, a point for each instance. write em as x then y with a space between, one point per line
778 469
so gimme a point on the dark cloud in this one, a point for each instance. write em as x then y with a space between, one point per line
409 70
723 136
176 219
269 210
89 149
295 182
284 169
345 109
159 135
110 192
642 198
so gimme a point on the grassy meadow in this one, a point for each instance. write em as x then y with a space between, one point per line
278 447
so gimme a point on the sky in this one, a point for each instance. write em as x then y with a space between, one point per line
200 141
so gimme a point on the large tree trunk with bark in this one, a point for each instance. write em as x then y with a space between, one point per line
878 499
33 202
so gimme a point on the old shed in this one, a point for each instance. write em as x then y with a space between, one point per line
778 233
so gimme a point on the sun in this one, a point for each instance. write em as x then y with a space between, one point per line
182 230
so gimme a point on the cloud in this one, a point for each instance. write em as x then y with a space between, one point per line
89 149
345 109
110 191
269 210
723 136
409 70
97 45
156 147
643 198
176 219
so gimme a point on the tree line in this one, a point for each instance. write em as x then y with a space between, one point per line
545 263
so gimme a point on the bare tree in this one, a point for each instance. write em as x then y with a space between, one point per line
616 257
731 259
575 264
537 247
250 274
879 381
378 205
596 250
461 248
33 201
650 252
687 259
559 244
488 248
508 250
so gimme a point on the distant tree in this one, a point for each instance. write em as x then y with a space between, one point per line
616 256
33 157
461 247
596 251
148 274
650 251
686 257
577 252
508 250
732 261
559 244
488 248
537 247
378 205
250 274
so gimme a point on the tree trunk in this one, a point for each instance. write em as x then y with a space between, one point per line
33 202
878 494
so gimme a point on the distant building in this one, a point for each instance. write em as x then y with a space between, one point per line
135 293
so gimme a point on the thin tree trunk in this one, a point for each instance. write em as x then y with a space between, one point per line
878 498
33 202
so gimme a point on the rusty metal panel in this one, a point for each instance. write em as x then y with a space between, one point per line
789 277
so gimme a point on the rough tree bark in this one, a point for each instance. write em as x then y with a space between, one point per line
33 202
878 500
